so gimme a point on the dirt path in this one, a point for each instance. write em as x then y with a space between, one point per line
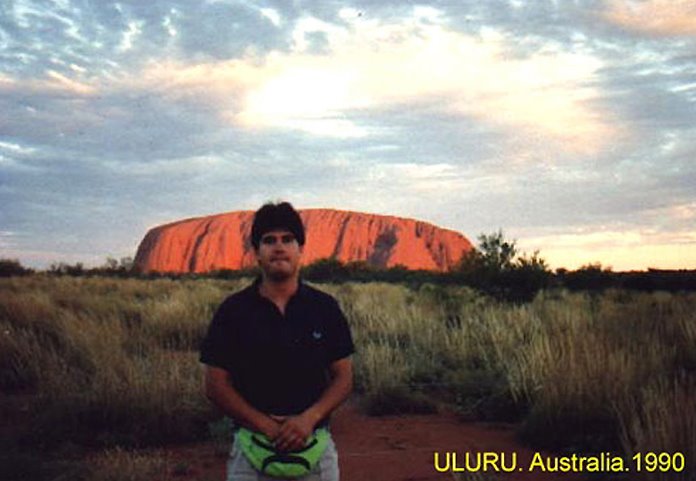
392 448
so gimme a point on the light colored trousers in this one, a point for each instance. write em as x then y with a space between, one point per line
239 469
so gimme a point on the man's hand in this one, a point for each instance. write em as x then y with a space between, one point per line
294 431
270 427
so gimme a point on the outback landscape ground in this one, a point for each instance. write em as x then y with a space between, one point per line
100 379
386 448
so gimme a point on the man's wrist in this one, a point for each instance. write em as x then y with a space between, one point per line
314 415
265 425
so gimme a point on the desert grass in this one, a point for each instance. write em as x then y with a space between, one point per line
663 420
582 372
113 362
107 361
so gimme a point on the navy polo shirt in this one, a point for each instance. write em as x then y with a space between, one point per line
278 362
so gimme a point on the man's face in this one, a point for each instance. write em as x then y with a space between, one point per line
279 255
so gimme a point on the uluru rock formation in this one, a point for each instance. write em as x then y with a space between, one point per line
222 241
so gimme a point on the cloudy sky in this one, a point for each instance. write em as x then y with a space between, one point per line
570 125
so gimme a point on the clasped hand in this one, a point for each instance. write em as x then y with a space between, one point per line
291 432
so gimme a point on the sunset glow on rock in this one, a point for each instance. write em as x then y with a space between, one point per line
222 242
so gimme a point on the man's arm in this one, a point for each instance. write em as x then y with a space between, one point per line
295 430
219 389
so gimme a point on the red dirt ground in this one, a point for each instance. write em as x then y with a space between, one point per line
391 448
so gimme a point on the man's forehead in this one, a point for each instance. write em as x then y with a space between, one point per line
277 232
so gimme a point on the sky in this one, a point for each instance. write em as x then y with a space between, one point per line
568 124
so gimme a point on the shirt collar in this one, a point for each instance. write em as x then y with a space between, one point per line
301 288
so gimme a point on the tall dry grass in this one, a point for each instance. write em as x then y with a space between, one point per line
582 372
114 362
107 361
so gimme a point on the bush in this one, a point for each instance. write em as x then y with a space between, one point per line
325 270
496 269
589 277
12 267
483 394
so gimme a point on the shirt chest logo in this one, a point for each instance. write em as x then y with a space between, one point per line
317 335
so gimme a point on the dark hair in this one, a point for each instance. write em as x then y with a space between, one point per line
282 216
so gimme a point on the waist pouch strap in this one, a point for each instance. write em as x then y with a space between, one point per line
261 453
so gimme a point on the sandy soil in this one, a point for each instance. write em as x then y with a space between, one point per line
392 448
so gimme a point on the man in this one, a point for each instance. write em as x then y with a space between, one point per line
277 357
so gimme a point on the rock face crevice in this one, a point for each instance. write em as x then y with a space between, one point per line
222 241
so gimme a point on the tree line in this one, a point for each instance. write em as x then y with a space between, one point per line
495 267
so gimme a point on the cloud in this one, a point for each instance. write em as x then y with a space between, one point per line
58 81
131 34
374 65
654 17
50 83
15 148
7 239
418 179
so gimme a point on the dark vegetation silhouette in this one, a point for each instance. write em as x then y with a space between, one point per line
12 267
495 267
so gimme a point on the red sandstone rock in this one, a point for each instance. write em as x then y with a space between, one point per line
222 242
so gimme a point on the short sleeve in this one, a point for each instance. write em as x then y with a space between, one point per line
217 348
342 340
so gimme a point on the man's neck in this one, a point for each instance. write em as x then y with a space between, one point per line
279 292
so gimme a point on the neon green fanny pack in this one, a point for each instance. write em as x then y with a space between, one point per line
261 453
